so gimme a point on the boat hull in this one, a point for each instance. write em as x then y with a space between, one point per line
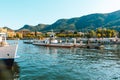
7 62
28 41
7 54
60 45
55 45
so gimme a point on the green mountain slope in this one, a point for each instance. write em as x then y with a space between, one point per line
38 27
88 22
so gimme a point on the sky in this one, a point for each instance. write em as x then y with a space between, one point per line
17 13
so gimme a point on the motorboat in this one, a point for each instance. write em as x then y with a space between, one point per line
7 51
28 41
46 41
53 42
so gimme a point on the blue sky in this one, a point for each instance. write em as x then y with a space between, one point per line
16 13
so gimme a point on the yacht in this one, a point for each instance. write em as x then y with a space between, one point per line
7 51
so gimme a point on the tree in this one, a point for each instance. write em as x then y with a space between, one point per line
92 33
61 35
35 33
114 33
98 35
62 30
75 32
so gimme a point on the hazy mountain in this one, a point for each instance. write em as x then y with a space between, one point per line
38 27
9 29
87 22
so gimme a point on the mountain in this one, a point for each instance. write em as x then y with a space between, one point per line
38 27
84 23
64 24
8 29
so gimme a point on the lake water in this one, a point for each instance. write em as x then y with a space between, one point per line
50 63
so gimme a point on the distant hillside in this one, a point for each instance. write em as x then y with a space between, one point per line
8 29
84 23
64 24
38 27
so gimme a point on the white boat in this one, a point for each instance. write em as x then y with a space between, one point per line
7 51
52 42
46 41
28 41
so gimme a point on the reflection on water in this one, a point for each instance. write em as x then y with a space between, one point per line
9 72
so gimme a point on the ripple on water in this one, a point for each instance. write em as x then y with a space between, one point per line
44 63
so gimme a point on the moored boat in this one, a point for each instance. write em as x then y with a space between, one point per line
7 51
63 45
53 42
28 41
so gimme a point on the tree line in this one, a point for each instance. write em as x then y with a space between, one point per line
99 33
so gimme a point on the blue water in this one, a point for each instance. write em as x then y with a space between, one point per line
50 63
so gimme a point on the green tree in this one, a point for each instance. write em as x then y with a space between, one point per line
75 32
35 33
62 30
61 35
98 35
92 33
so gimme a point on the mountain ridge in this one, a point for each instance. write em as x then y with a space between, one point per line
83 23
